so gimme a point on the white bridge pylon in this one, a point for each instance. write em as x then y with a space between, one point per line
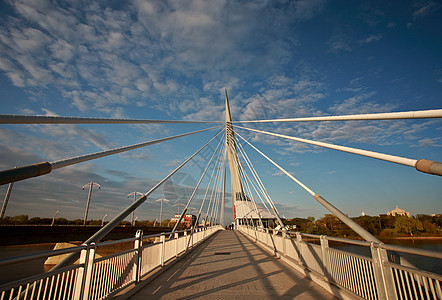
243 207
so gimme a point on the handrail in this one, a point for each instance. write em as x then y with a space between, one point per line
374 276
409 250
11 284
50 253
79 279
23 258
423 252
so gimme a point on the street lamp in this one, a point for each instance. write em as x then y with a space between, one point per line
102 221
161 209
135 198
53 219
5 202
178 205
91 185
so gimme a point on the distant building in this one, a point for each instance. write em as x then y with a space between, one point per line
188 220
398 212
363 214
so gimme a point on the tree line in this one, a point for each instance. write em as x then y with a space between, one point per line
380 226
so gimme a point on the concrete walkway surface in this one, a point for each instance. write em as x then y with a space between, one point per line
230 266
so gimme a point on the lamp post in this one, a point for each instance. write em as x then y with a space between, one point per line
53 219
161 209
102 221
5 202
135 198
91 185
178 205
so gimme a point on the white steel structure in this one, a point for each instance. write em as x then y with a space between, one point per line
381 274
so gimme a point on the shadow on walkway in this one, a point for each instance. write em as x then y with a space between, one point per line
230 266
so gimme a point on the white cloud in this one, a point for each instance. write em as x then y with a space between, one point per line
431 142
339 42
425 8
371 38
98 56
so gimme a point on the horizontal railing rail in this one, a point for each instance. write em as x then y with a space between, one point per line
101 277
376 276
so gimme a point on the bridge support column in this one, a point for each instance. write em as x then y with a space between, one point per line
383 275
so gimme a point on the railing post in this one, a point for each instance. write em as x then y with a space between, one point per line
185 240
383 275
138 255
283 235
84 275
299 245
163 241
176 244
324 251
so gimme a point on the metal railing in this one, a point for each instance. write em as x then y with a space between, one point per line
94 277
373 276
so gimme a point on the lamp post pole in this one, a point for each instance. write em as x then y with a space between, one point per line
135 198
5 202
178 205
53 219
161 209
102 221
91 185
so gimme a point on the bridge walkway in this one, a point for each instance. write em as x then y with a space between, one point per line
230 266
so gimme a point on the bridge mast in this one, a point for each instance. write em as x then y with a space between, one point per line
237 188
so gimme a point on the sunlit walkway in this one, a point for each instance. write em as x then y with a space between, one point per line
229 266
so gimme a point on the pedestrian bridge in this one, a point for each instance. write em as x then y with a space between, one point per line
208 262
215 263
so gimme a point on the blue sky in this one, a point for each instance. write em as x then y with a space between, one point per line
173 59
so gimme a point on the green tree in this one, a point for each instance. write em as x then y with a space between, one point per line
332 222
408 225
35 220
429 227
20 219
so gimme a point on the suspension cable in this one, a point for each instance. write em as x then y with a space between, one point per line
205 194
217 191
423 165
213 192
209 185
255 174
273 206
421 114
24 119
340 215
193 193
121 216
34 170
248 182
259 181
